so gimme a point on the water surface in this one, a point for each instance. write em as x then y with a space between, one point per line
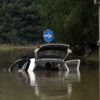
75 85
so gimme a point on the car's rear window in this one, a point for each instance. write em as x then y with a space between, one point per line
51 54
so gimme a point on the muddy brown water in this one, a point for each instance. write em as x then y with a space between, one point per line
75 85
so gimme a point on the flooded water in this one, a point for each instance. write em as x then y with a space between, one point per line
73 85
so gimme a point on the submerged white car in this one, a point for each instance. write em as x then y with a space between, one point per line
48 57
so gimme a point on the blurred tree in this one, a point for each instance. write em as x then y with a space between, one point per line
74 21
20 21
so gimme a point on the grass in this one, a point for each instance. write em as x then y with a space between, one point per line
5 47
94 56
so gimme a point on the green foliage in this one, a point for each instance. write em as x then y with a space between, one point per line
74 21
20 21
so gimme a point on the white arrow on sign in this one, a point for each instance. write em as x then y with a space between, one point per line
49 35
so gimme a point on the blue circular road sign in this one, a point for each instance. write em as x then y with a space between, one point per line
48 35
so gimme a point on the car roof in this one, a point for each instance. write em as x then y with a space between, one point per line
54 46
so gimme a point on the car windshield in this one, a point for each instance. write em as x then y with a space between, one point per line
51 54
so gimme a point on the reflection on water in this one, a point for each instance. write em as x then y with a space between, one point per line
7 57
72 85
51 84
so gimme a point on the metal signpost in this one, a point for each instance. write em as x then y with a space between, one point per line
98 2
48 35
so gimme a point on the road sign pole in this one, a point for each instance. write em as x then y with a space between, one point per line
99 44
98 2
99 21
